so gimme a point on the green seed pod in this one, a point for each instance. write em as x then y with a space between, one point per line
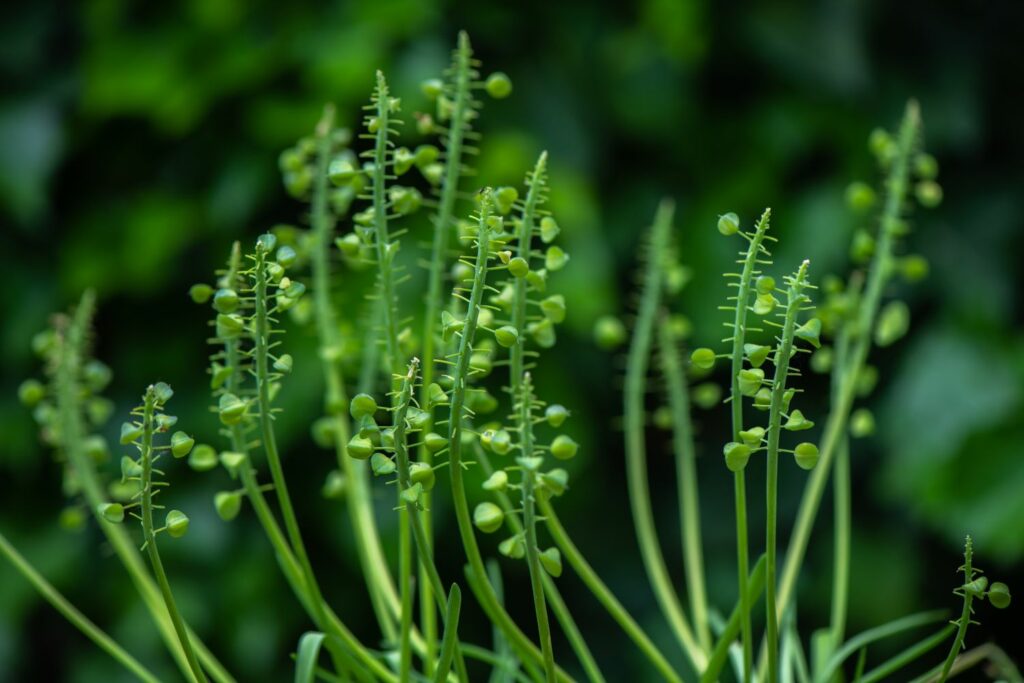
806 455
914 268
426 155
488 517
556 481
507 336
31 392
551 560
480 364
130 432
513 547
433 173
765 284
893 323
763 399
432 87
181 444
860 196
203 458
862 423
230 326
548 229
71 518
797 422
555 258
417 418
728 224
999 595
563 447
423 474
359 447
232 461
706 395
926 167
112 512
821 360
231 409
764 304
750 381
284 363
434 442
501 442
531 464
412 494
404 160
382 465
881 144
404 200
810 332
736 456
518 267
450 325
498 481
553 308
436 396
334 485
662 417
538 279
929 193
341 171
387 438
162 392
498 85
867 378
977 587
756 354
165 422
130 469
543 332
348 245
286 256
504 199
609 332
555 414
176 523
96 375
95 446
200 293
703 358
362 405
862 248
228 504
752 437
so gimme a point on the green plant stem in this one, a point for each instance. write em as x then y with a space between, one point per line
554 597
878 275
481 588
750 262
149 535
686 473
965 615
450 642
603 594
443 224
636 454
71 613
720 653
909 655
488 657
783 355
72 431
878 633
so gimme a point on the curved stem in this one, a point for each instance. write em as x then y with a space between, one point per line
149 534
636 453
71 613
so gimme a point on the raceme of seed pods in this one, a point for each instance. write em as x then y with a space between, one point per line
419 391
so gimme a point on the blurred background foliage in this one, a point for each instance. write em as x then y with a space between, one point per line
137 140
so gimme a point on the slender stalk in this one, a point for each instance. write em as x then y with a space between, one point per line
71 613
862 640
965 614
912 653
481 588
603 594
783 355
636 453
879 273
755 250
149 534
450 642
686 473
720 653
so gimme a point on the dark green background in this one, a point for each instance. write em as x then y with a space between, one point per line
138 139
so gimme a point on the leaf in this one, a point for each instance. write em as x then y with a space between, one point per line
305 660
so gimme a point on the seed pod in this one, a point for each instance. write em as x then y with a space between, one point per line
821 360
860 196
417 418
181 444
31 392
707 395
543 332
231 409
556 481
553 308
334 485
434 442
929 193
893 323
230 325
436 395
736 456
382 465
513 547
765 284
200 293
362 405
432 87
284 363
203 458
999 595
96 375
548 229
977 587
501 442
176 523
423 474
810 332
563 447
232 461
228 504
728 224
555 258
498 85
862 247
750 381
703 358
95 446
488 517
518 267
359 447
498 481
797 422
112 512
862 423
225 300
507 336
504 199
551 560
752 437
806 455
763 399
165 422
555 414
756 353
450 325
609 332
764 304
130 432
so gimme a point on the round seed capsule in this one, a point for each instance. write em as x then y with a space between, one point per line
736 456
507 336
862 423
286 256
563 447
556 481
703 358
129 432
203 458
926 166
176 523
231 409
359 447
498 481
200 293
555 414
432 87
498 85
752 437
750 381
434 442
423 474
929 193
806 455
999 595
513 547
31 392
551 560
488 517
112 512
728 224
860 196
609 332
228 504
518 267
765 284
284 363
362 405
501 442
181 444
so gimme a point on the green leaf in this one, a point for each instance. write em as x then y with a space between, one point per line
306 657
